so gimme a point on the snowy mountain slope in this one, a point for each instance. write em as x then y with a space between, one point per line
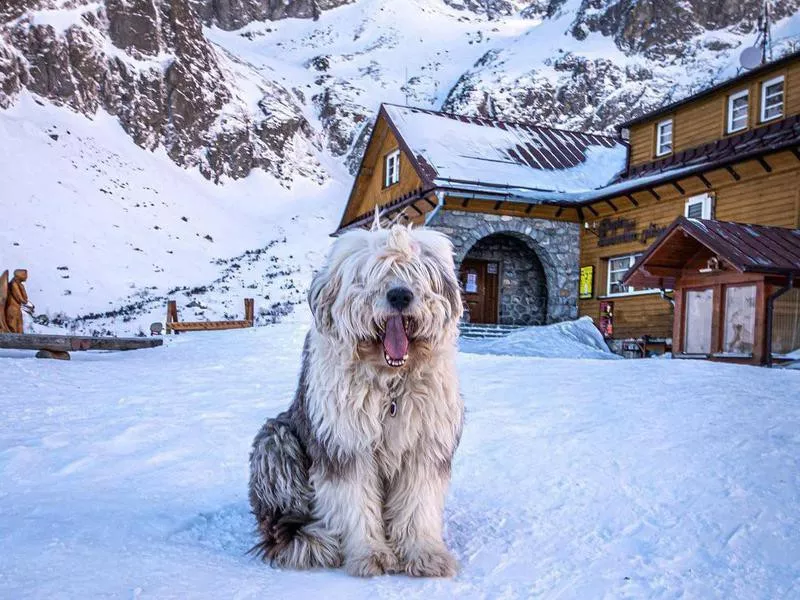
276 112
127 478
102 224
594 82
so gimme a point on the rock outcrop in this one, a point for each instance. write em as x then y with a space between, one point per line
660 30
233 14
153 65
148 63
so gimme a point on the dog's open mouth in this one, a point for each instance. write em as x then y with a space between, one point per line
395 340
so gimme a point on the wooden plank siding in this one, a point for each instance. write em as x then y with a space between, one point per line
759 197
369 190
705 120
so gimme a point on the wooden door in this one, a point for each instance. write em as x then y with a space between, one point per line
479 282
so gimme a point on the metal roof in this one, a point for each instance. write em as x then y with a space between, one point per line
780 134
746 248
455 150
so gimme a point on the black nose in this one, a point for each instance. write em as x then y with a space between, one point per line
399 297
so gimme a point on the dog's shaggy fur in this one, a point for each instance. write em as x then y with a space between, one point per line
355 473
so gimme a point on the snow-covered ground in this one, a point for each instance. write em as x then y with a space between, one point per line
124 475
572 339
103 225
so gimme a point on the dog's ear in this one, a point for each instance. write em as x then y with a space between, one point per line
438 250
452 291
321 296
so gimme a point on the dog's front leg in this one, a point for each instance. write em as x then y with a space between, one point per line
349 501
414 513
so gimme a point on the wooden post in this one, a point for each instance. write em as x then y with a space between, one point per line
172 314
249 310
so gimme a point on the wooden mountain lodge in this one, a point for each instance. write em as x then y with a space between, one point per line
681 234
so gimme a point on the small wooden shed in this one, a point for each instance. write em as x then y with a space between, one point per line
736 288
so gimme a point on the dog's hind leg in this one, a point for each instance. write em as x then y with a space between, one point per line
281 496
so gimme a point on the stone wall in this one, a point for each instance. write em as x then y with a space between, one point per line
555 243
522 284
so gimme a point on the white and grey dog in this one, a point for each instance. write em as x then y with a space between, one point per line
356 471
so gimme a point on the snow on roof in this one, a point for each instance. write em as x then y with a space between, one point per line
483 154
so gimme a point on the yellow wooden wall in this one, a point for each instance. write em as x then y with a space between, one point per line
704 120
761 198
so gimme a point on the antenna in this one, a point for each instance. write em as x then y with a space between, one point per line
761 51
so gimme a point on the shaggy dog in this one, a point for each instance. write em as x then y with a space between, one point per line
355 473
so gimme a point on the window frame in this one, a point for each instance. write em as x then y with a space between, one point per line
745 93
632 291
707 210
393 156
659 124
764 85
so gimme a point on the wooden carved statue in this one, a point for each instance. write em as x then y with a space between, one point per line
13 300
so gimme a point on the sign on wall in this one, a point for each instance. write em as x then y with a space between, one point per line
620 231
472 283
607 319
586 289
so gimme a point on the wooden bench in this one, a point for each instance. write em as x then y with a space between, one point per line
59 346
177 326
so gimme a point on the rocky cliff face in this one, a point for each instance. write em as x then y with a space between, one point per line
148 63
226 86
233 14
660 30
661 51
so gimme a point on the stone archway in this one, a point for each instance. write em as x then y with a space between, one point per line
555 244
519 282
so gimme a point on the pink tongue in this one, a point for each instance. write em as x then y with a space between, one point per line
395 341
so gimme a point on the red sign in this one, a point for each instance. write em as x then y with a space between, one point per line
607 319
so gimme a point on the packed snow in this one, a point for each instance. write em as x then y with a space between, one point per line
125 475
570 339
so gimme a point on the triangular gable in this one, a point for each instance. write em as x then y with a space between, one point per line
742 247
371 164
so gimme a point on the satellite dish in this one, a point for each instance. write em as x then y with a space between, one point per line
750 58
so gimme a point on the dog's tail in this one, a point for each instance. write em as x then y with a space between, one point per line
280 496
296 542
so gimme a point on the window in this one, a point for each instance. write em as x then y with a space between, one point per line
772 99
664 137
617 267
698 207
391 169
697 324
737 111
740 319
786 323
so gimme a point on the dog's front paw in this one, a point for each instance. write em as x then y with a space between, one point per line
431 563
377 562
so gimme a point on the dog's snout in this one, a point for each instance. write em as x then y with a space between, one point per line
399 298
